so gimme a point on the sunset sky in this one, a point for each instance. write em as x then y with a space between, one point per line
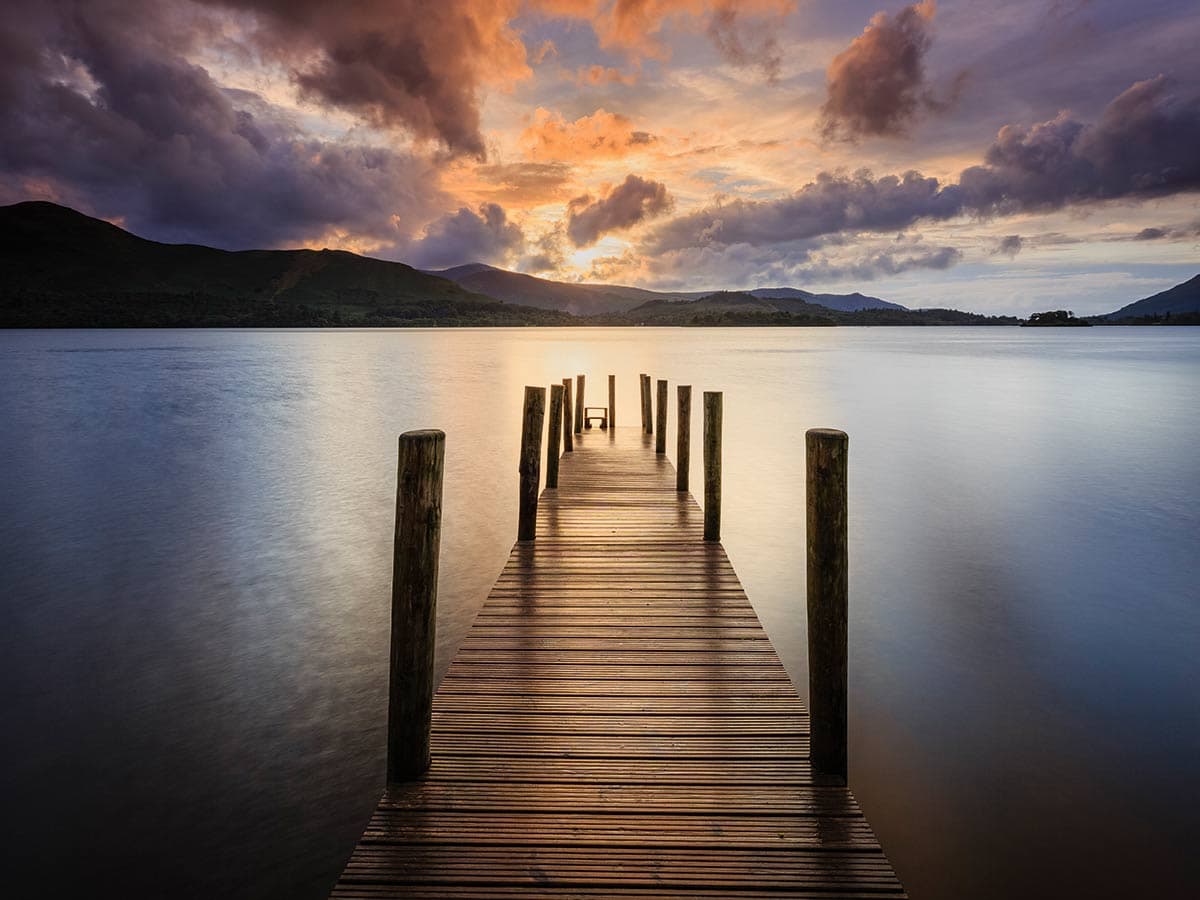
996 157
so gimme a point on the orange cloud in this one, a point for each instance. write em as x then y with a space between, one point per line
600 135
636 25
597 75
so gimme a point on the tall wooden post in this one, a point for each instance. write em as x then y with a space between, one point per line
647 410
712 465
642 398
612 401
568 419
683 436
827 603
554 435
530 464
579 411
660 439
415 549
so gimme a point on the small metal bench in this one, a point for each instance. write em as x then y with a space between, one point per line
595 412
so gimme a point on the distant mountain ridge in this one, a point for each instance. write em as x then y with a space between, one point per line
579 299
59 267
584 299
1182 299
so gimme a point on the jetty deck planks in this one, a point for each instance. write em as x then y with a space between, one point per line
617 724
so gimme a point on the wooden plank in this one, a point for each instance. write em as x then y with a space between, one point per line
616 724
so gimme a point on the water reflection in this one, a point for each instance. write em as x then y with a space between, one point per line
195 553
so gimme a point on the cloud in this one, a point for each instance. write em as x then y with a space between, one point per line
636 26
600 135
745 45
1009 245
396 63
876 86
598 75
100 108
525 183
831 203
1176 232
466 236
1141 147
796 263
546 254
632 201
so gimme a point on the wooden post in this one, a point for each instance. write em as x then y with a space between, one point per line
712 465
579 384
414 602
642 398
554 435
612 401
530 464
827 603
683 436
660 439
568 419
647 411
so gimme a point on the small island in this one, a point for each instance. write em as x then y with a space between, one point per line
1058 318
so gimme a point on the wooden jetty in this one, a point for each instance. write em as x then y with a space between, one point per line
616 723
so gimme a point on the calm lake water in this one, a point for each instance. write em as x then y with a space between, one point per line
195 534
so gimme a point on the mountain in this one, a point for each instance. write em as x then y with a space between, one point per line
1183 299
745 308
842 302
607 299
59 267
577 299
730 308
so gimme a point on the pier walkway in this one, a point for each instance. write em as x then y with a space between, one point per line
617 724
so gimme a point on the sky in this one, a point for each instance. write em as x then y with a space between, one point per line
993 157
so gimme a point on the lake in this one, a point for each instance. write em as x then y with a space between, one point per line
195 553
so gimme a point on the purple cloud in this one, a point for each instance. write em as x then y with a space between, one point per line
630 202
467 236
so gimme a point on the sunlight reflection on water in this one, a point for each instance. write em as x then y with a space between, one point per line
195 553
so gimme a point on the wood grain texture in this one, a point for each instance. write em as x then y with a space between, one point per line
683 437
713 406
415 550
568 427
617 724
532 415
554 435
827 581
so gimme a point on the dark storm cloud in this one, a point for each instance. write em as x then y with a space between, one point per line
101 111
409 63
630 202
467 236
1143 146
876 86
